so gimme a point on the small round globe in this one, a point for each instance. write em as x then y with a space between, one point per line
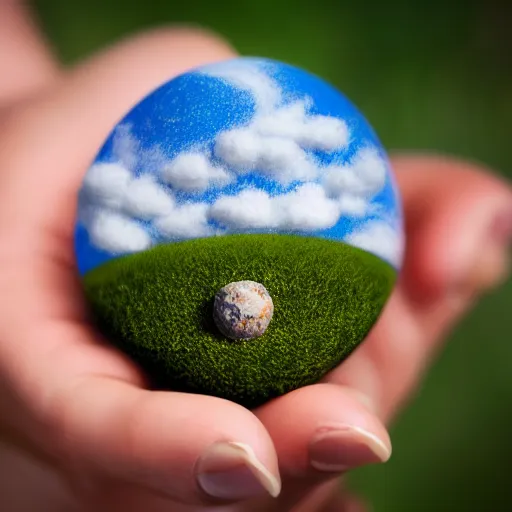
243 310
248 170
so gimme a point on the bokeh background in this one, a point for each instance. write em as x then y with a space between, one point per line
429 75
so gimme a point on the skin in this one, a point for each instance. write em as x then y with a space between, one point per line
78 429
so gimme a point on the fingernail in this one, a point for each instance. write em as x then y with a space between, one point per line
339 448
232 471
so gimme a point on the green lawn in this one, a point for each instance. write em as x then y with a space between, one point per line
157 307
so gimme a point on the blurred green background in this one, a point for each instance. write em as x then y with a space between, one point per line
429 75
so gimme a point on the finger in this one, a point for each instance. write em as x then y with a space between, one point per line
89 417
187 447
26 62
457 218
20 474
320 432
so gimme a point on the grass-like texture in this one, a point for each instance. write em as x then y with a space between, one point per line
156 306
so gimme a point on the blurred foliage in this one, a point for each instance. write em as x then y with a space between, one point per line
429 75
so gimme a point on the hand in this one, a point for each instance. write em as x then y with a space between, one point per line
79 408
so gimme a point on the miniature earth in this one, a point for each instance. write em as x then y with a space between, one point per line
249 170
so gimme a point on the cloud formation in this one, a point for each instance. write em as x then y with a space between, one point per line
105 184
380 238
116 200
188 221
112 186
116 195
193 172
116 233
275 143
244 151
305 209
250 209
125 147
146 199
364 176
293 122
113 199
123 211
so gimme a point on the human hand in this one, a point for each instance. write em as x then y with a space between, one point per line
79 407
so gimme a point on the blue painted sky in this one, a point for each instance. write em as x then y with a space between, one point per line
187 115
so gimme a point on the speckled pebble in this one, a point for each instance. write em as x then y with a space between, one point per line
243 310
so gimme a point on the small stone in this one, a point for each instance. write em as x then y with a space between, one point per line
243 310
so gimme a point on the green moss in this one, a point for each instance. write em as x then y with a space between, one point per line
156 306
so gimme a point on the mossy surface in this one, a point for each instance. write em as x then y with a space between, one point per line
156 306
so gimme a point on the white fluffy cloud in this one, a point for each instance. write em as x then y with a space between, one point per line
193 172
305 209
188 221
125 147
275 143
117 233
292 122
244 150
353 205
354 184
146 199
105 184
114 187
370 169
250 209
364 176
112 199
381 239
128 152
248 76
